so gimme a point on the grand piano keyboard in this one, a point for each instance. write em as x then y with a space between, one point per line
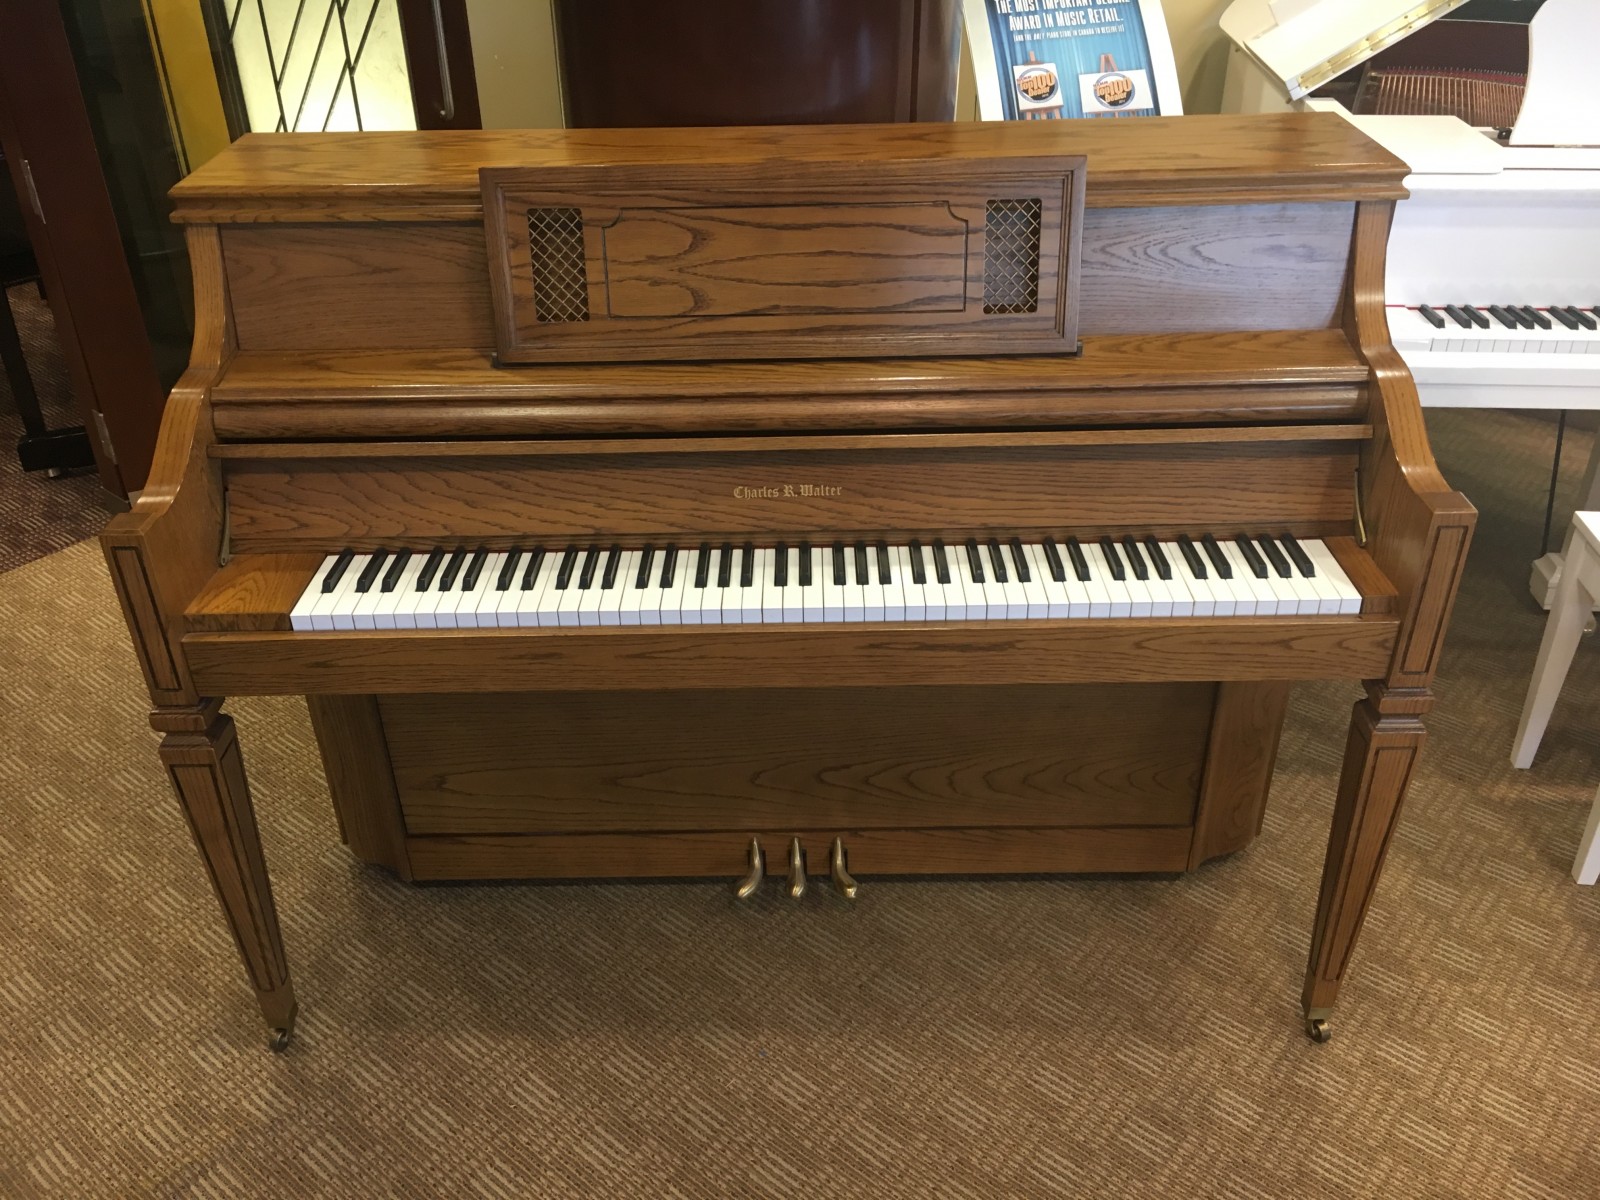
1495 328
994 578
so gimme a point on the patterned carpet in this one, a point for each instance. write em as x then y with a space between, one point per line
39 516
961 1038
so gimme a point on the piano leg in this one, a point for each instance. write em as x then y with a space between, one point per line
201 752
1386 734
1546 576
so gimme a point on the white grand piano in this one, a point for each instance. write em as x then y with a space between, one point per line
1494 262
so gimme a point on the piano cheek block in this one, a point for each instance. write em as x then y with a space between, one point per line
1027 474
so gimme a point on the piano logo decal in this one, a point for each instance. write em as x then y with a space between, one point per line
787 491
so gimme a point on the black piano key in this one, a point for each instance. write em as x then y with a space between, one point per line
508 570
1052 558
1135 560
1197 568
1252 557
531 571
1538 318
1158 558
747 565
340 564
1275 556
474 569
861 563
452 568
1308 569
919 572
885 573
997 562
1019 560
397 566
369 573
608 579
591 564
669 566
1431 316
641 577
725 565
1476 316
838 564
569 562
1583 318
430 567
1504 317
1459 317
780 565
1219 560
1560 314
805 564
1113 559
702 566
1523 320
1080 561
941 564
974 561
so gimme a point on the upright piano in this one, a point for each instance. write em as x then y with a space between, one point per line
793 504
1493 282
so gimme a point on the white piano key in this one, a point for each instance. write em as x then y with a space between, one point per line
1161 598
833 591
914 595
520 608
1261 600
341 613
1044 594
300 614
894 591
707 600
814 606
1114 599
478 609
630 609
791 597
1014 605
386 614
752 598
613 598
1322 558
873 605
670 610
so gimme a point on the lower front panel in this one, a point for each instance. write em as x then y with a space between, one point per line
986 778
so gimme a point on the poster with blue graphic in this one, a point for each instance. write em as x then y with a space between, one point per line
1047 59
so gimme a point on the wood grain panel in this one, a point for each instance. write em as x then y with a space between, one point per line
791 656
1218 267
347 287
355 758
252 593
703 259
995 755
283 505
1239 762
1158 160
872 852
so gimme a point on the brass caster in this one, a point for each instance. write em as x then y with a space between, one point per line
278 1040
797 870
1317 1029
843 883
747 886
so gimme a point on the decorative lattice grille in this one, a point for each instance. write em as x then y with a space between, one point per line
1011 256
560 280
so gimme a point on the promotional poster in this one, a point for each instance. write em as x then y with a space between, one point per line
1049 59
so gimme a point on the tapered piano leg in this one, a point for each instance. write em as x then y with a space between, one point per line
1386 734
201 753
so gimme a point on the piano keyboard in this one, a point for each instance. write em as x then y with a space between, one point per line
728 583
1496 329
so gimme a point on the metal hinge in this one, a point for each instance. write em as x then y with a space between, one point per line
103 434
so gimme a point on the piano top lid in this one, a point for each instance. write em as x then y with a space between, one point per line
1305 43
433 175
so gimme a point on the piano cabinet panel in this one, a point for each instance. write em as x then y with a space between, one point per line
286 504
353 286
562 762
1092 778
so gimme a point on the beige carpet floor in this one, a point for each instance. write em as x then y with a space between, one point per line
957 1038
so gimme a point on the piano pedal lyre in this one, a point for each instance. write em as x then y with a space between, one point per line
843 882
746 887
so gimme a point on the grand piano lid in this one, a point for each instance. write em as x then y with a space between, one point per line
1305 43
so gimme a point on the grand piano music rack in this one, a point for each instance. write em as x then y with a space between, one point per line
1081 532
